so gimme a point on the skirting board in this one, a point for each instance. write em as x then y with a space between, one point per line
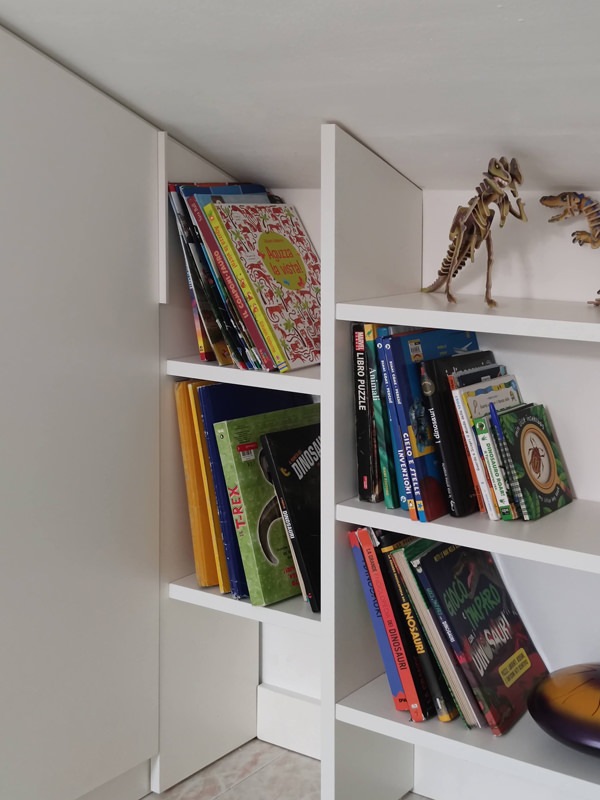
131 785
289 720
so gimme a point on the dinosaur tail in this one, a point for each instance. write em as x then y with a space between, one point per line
442 275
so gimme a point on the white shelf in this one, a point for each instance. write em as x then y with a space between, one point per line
554 319
293 614
567 538
525 751
303 381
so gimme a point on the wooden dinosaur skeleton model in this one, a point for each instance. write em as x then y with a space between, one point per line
572 204
472 224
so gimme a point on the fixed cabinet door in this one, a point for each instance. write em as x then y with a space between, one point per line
79 444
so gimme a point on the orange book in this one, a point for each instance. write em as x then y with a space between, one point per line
204 557
209 489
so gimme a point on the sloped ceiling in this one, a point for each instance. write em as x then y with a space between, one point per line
435 87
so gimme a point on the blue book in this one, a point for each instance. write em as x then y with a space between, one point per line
385 648
405 352
223 401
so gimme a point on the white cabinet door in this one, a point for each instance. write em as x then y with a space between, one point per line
79 433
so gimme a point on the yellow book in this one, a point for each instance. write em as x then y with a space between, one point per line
209 489
204 556
247 289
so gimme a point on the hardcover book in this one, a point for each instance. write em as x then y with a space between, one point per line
367 453
294 466
219 401
491 642
405 352
385 647
437 398
264 546
536 459
278 271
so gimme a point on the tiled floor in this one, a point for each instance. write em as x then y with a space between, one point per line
256 771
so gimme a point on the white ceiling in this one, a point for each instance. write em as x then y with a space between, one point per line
435 87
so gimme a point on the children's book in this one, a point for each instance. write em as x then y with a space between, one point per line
219 401
536 459
294 467
474 401
495 467
383 642
367 452
202 546
463 493
405 352
491 642
264 547
278 271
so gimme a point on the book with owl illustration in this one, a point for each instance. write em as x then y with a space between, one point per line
264 546
273 261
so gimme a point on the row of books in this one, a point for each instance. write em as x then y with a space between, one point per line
253 274
452 641
441 427
251 460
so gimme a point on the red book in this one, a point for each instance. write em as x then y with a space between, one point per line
391 626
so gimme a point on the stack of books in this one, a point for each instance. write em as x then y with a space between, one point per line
251 460
253 274
442 428
452 641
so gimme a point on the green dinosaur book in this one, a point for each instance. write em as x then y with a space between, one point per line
264 545
537 461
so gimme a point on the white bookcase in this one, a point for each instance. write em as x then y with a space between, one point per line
382 237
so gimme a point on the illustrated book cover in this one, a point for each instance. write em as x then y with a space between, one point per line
219 401
491 642
404 354
383 642
437 397
536 459
264 547
278 272
294 467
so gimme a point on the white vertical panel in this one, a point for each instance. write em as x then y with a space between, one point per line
370 246
79 454
209 662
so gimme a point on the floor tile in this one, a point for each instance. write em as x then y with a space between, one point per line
290 777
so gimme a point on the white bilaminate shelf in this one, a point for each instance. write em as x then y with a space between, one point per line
525 751
293 614
566 538
303 381
517 316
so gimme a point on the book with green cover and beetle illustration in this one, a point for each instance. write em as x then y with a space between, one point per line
537 461
264 546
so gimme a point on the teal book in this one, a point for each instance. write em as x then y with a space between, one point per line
264 546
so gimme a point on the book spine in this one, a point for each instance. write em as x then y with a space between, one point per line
238 512
494 467
204 557
473 452
207 483
367 461
386 462
267 343
432 406
240 306
513 480
391 625
476 486
432 682
403 484
403 426
385 648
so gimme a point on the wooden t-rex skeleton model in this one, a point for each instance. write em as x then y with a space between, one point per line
572 204
472 224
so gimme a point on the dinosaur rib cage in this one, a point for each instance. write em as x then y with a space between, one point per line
446 263
591 210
